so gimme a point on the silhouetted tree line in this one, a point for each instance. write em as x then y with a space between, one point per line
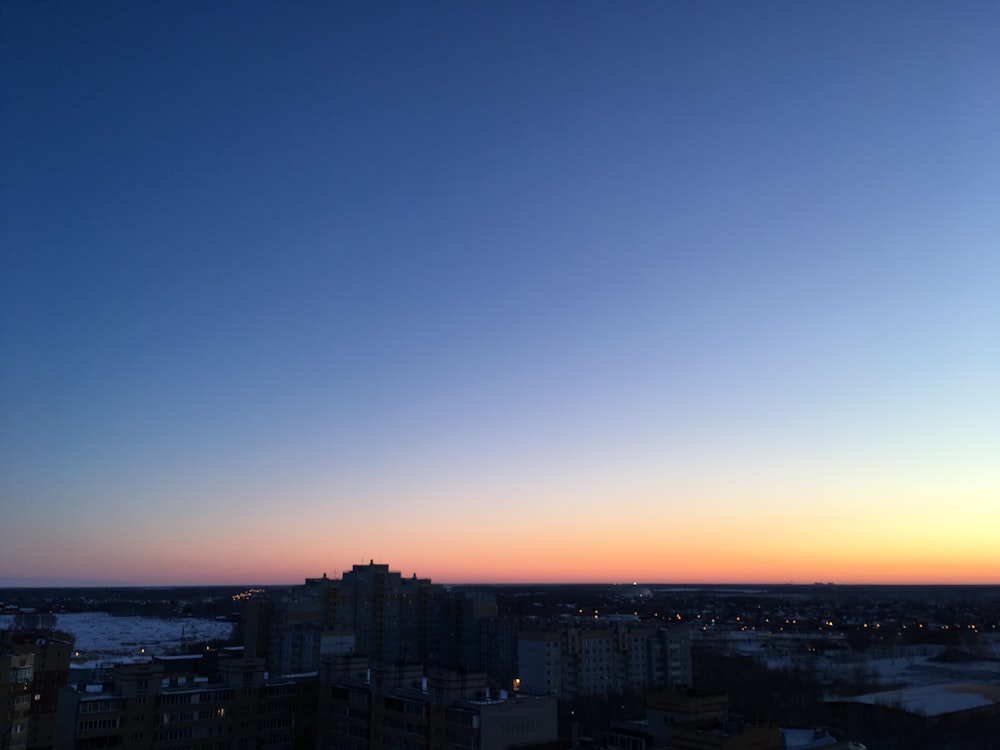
42 623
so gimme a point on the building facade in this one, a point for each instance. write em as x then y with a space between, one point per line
16 675
377 613
171 703
34 666
570 658
404 708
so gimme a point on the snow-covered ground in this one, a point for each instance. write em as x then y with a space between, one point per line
101 637
911 666
889 666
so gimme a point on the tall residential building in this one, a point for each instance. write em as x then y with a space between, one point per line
49 660
370 611
389 616
464 636
373 612
583 657
498 644
16 674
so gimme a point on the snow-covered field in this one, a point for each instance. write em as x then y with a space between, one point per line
889 666
101 637
912 666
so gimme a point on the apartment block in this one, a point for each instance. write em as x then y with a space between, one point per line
406 708
16 675
171 703
374 612
35 665
570 658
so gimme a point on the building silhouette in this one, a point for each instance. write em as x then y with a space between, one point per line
377 613
187 702
33 665
405 707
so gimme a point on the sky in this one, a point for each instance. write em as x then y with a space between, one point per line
500 291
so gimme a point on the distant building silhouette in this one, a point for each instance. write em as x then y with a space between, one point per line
389 616
375 612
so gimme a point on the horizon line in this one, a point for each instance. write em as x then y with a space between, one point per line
61 583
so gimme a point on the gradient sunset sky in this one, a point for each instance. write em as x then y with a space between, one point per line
512 291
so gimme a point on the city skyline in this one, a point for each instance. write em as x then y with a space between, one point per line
500 292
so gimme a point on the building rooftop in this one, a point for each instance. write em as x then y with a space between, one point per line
933 700
807 739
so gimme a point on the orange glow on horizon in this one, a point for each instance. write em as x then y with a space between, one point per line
572 566
699 543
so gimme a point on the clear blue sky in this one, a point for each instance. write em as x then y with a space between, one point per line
288 286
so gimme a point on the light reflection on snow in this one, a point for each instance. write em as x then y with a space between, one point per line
104 637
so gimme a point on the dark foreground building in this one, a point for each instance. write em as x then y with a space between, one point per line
376 612
174 702
401 708
33 665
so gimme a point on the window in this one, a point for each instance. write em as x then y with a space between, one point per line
87 726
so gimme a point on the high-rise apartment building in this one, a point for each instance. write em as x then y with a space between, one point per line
33 665
16 675
389 616
373 612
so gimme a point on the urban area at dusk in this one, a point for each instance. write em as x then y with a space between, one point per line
525 375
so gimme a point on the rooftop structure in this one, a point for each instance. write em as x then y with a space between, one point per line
935 700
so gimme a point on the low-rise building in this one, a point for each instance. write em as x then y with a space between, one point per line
404 708
164 704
